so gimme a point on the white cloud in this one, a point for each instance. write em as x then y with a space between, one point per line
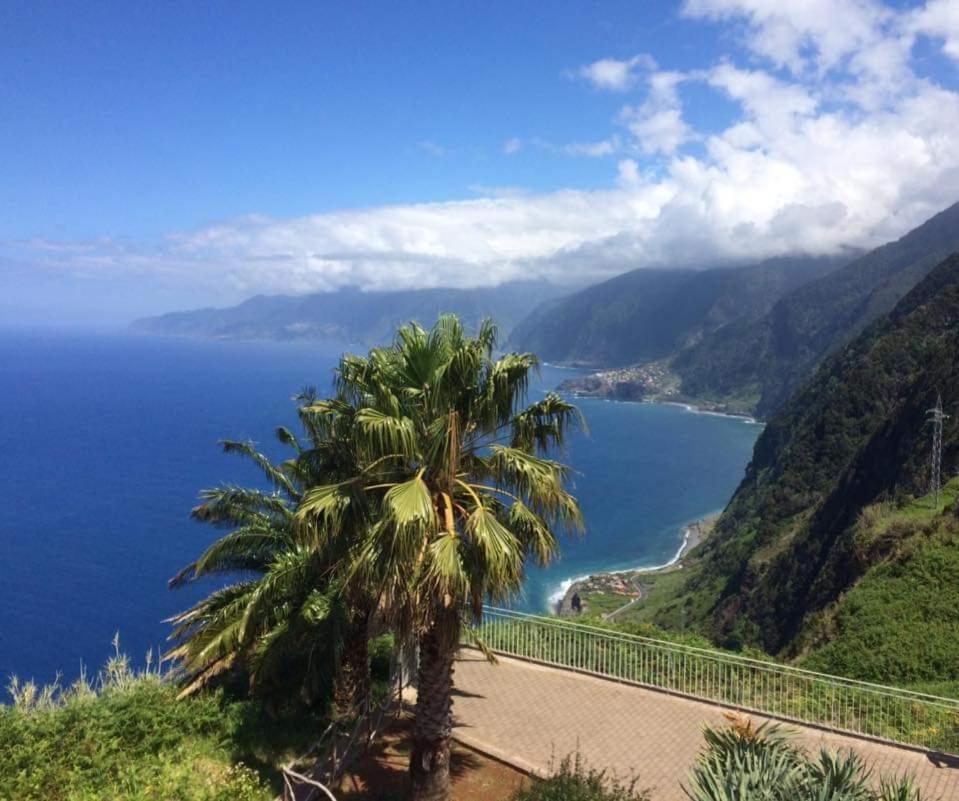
658 123
772 106
604 147
798 34
835 142
512 146
627 174
939 19
614 75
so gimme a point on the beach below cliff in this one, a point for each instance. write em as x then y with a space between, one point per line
609 593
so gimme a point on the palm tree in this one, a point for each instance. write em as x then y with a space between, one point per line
288 621
464 494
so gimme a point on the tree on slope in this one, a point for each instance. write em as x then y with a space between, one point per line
464 492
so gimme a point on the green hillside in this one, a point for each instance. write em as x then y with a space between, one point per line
770 357
649 314
898 622
824 529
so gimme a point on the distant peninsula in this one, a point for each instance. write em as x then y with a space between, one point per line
352 316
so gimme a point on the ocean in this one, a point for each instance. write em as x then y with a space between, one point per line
105 441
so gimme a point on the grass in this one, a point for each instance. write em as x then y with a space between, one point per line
602 603
662 590
126 737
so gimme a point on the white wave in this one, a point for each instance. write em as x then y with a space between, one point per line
692 409
560 593
563 588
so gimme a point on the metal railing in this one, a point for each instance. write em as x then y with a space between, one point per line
769 688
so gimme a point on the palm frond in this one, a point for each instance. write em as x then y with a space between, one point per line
238 506
325 508
249 548
545 424
409 505
287 437
539 481
533 532
273 475
380 434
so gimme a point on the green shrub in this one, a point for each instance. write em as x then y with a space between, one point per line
574 781
742 763
125 737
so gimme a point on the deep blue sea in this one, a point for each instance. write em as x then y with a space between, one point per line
105 442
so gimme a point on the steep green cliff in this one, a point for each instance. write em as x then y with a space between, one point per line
826 515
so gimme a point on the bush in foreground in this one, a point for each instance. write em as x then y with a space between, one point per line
125 737
742 763
574 781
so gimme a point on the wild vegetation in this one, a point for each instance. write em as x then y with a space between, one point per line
574 780
744 763
125 736
908 597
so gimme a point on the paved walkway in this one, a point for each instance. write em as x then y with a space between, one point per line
529 715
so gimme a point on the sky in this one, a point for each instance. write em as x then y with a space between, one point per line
160 156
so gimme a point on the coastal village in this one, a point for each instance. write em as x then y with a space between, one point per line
607 595
638 382
650 382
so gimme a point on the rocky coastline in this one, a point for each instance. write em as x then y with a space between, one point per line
629 584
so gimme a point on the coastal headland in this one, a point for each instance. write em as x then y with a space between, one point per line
652 382
608 594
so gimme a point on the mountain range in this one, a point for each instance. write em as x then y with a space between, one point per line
648 314
351 316
737 338
743 338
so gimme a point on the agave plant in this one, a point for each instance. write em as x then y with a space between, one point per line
742 763
463 493
287 621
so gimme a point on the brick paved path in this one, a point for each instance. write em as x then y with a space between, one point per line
526 714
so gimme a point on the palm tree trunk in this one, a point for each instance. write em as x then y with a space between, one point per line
433 725
351 687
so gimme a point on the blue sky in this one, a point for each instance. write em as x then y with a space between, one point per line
209 111
171 155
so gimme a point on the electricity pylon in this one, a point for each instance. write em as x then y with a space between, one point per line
936 417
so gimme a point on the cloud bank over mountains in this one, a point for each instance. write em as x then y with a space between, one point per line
836 137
